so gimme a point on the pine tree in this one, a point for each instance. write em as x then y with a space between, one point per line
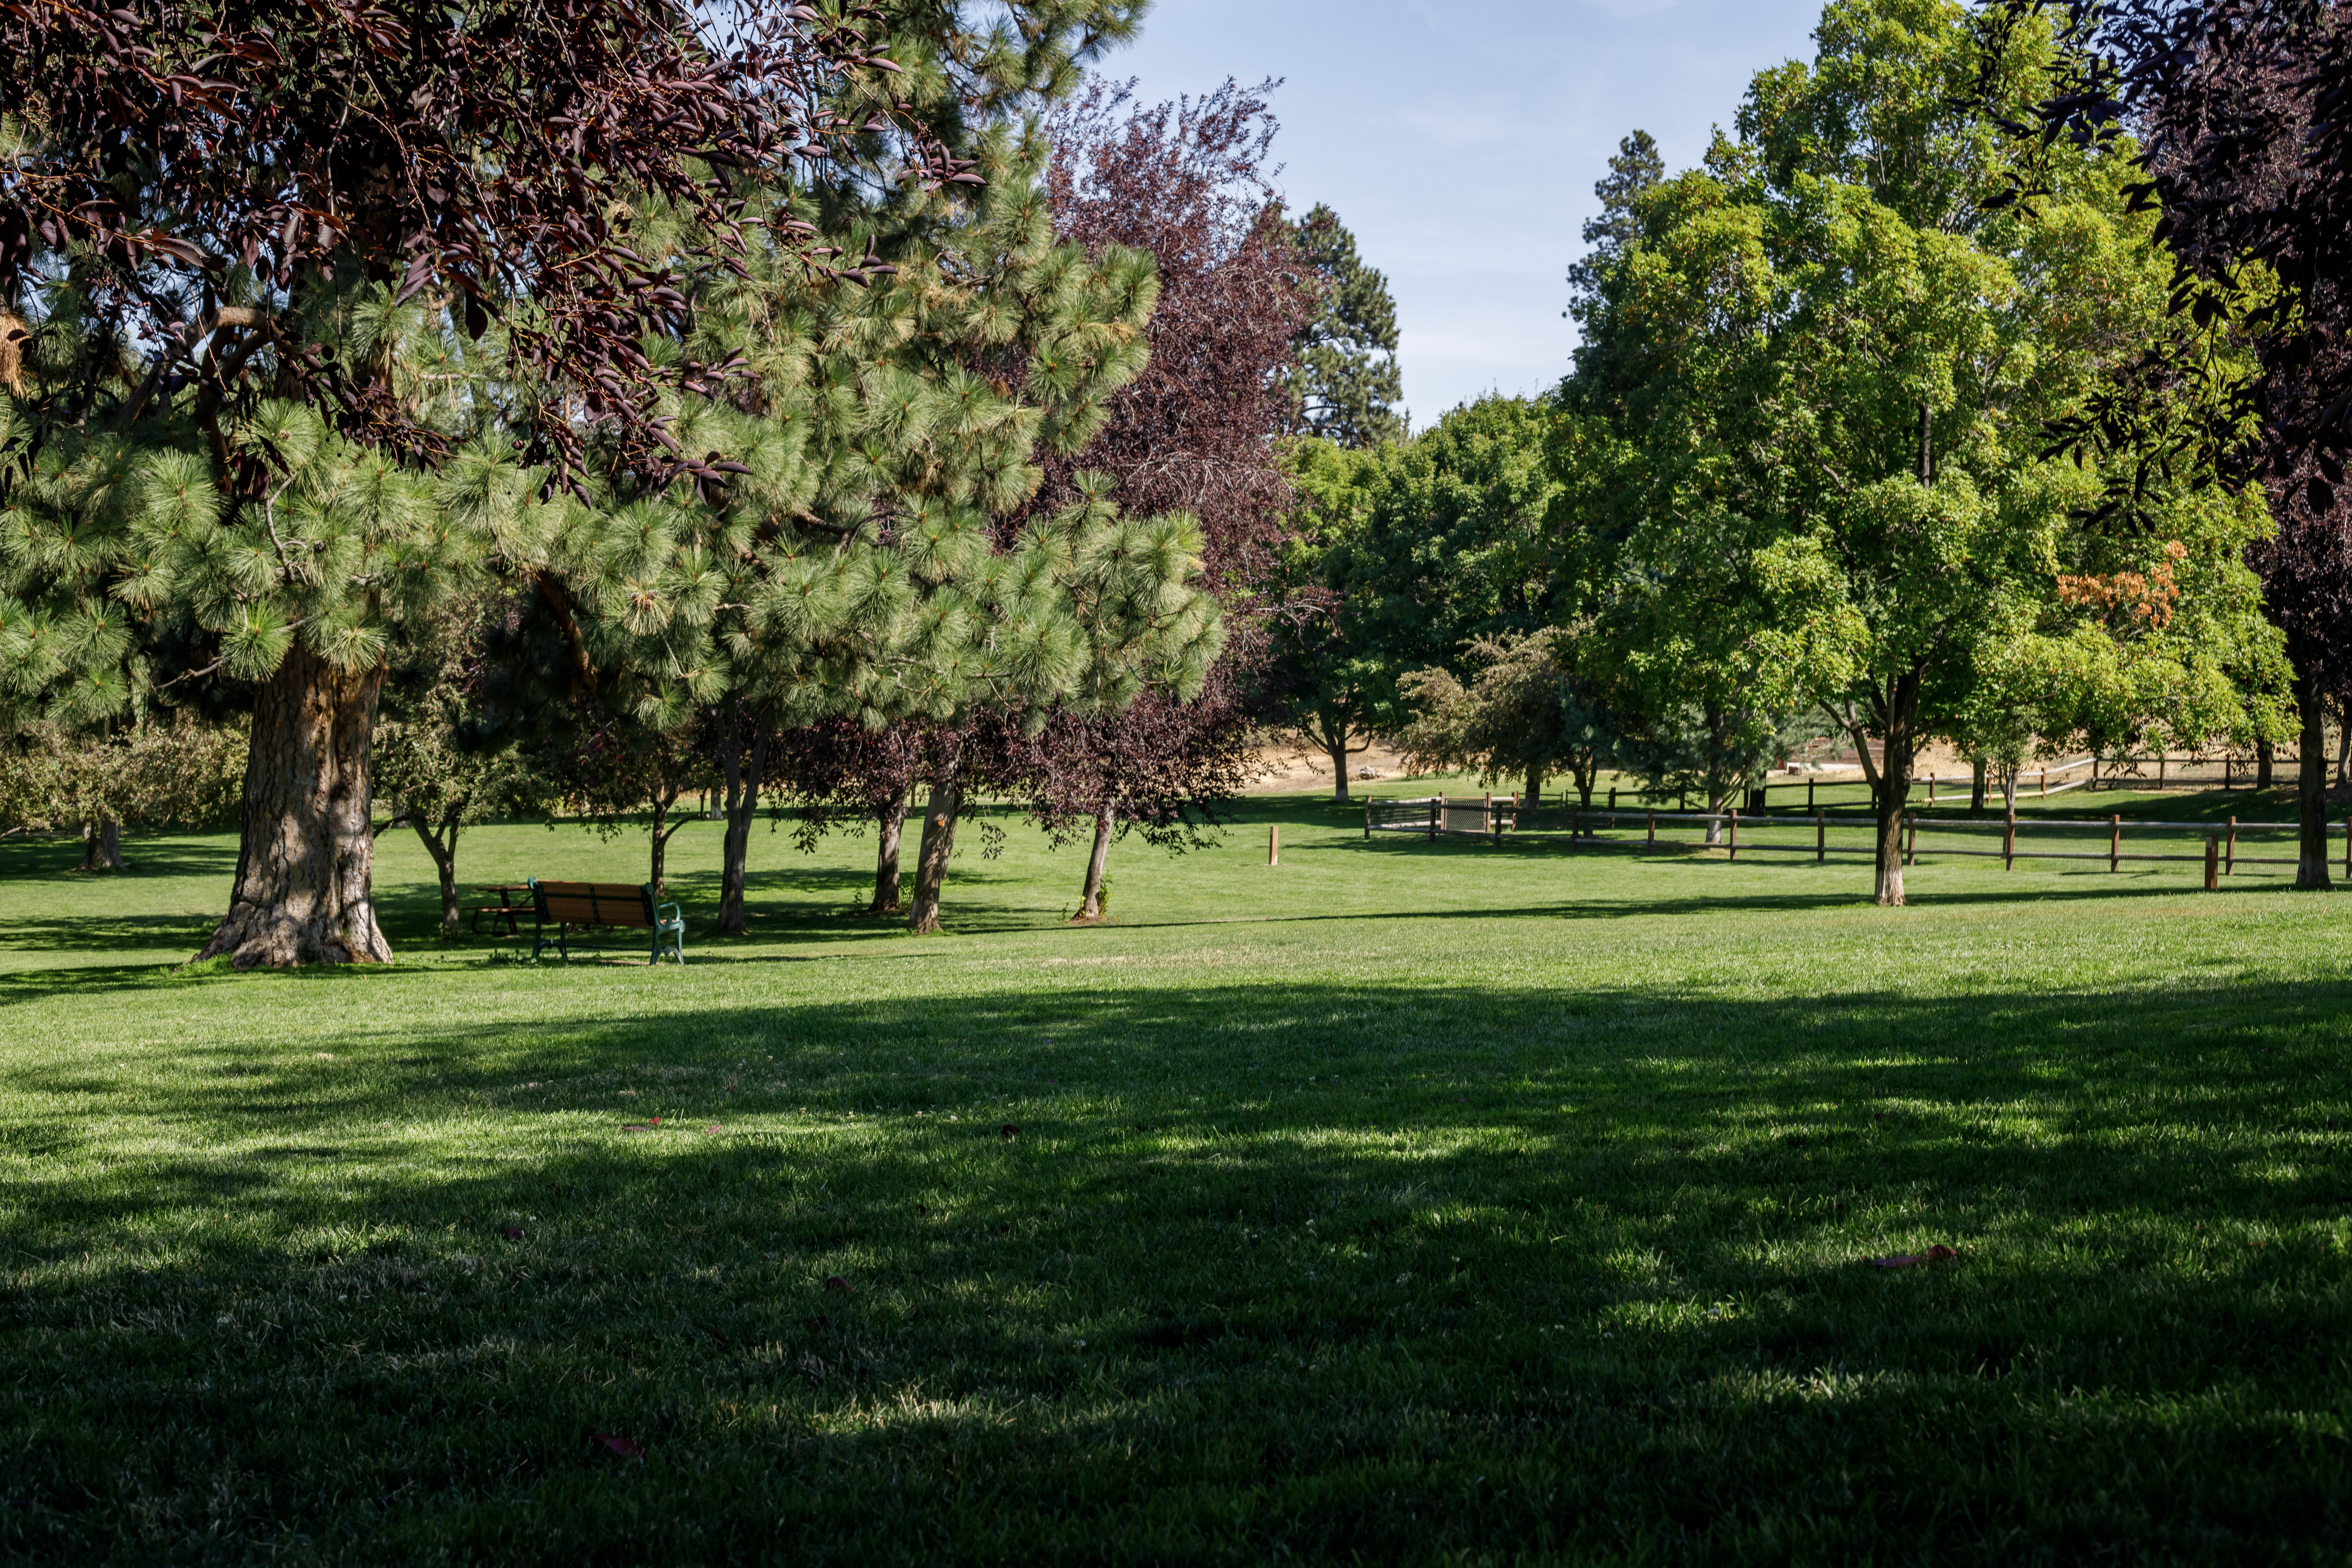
1344 383
1635 171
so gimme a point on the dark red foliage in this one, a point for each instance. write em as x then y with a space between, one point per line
1187 181
485 153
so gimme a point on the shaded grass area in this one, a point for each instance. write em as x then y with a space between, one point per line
1407 1201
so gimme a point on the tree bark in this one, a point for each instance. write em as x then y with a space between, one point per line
743 774
2265 755
2311 866
101 846
1335 746
1899 752
1090 895
939 844
306 851
890 825
1534 795
1976 786
445 863
664 800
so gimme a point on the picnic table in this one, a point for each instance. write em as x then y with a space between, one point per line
509 907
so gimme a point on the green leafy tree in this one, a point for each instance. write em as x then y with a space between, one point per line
1526 713
1344 383
1834 363
1404 554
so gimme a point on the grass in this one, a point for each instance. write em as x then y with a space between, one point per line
1408 1202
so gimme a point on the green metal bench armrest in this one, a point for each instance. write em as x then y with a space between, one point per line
672 916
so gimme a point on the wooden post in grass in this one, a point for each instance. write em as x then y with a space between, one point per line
1808 794
1612 806
2229 865
1368 822
1820 838
1653 830
2114 841
1732 814
1274 845
2045 782
1931 789
2347 845
2212 862
2008 842
1436 809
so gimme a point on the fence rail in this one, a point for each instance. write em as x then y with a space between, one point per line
1498 819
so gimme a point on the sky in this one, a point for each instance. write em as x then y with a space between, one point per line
1460 141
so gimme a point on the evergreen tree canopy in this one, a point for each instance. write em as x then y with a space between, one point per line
1344 383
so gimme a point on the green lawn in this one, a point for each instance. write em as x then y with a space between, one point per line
1407 1202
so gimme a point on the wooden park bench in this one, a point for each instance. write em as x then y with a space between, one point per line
562 908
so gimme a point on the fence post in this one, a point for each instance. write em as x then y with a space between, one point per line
2008 842
1436 811
1653 830
1368 822
1274 845
2231 868
1931 789
2114 841
1808 794
2212 862
2044 791
1732 812
1612 806
2347 845
1821 837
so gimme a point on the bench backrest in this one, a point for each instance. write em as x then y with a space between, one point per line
592 903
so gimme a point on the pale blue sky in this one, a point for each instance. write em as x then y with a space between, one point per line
1460 139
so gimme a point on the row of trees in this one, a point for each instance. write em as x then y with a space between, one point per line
851 406
1908 416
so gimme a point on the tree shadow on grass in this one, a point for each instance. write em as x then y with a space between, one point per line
1304 1269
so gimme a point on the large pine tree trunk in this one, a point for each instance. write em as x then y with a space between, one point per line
1090 895
305 852
890 826
939 844
743 770
1900 753
2311 864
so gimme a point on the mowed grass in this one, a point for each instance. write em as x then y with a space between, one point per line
1406 1201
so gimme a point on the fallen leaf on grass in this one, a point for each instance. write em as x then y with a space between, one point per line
835 1282
711 1131
620 1446
1935 1254
1008 1131
514 1233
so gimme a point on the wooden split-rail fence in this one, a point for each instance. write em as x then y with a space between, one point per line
1499 819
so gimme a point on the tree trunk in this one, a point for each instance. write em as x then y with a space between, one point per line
2264 755
101 846
665 799
931 860
1090 895
890 824
306 850
2310 867
1335 746
1977 787
2009 788
1898 753
2343 746
1534 795
742 805
444 862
